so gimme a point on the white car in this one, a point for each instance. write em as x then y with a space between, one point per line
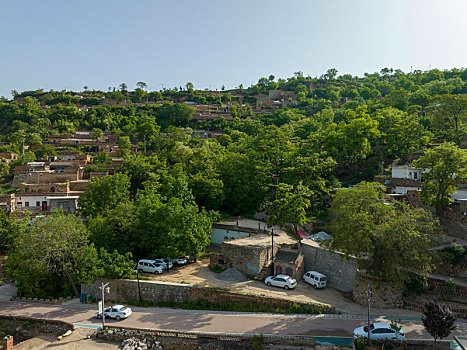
180 261
150 266
316 279
282 281
379 330
119 312
166 262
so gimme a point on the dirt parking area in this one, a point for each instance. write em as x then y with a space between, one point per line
199 274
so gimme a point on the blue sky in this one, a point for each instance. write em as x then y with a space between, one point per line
56 44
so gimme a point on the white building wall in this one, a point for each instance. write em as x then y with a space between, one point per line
459 194
407 172
403 190
32 200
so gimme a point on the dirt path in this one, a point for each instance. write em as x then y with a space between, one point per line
78 340
200 275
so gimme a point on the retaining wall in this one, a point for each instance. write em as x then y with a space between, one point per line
199 340
340 271
154 291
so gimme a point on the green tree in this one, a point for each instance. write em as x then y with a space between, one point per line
172 228
24 158
104 194
245 184
400 132
449 117
390 239
114 265
174 114
4 168
142 85
124 146
123 87
52 257
289 206
447 165
46 151
114 228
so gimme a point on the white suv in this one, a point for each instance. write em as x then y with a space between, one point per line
150 266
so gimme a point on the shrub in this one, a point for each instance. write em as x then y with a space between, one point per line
453 254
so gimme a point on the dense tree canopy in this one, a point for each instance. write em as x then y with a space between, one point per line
447 166
389 238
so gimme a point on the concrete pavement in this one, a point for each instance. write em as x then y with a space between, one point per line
215 322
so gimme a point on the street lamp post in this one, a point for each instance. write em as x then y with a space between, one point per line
368 299
104 288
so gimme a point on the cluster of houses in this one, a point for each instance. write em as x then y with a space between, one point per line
405 184
57 183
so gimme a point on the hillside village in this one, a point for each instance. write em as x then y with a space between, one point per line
255 182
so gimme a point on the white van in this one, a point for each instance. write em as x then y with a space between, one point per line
150 266
316 279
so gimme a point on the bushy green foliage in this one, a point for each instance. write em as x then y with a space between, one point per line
454 253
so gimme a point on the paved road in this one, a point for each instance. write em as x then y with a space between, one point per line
208 321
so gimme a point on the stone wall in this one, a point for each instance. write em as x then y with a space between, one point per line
340 272
382 295
153 291
173 340
250 259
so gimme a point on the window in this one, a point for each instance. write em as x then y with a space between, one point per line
415 175
38 204
26 204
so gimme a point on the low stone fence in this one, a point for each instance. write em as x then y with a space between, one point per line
174 340
445 288
40 300
23 328
410 344
414 304
155 291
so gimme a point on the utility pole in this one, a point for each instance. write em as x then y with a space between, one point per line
368 299
104 288
272 250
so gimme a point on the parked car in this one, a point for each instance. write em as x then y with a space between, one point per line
180 261
118 312
168 264
151 266
379 330
191 259
316 279
282 281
